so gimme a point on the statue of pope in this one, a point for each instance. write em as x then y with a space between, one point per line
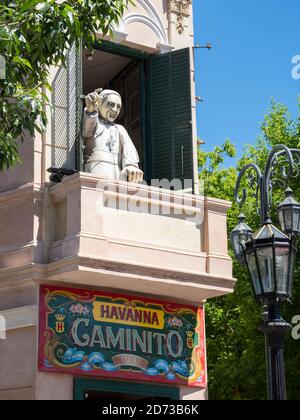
109 150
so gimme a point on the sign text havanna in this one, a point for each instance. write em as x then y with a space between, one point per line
84 332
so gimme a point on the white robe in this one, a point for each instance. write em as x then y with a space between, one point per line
108 148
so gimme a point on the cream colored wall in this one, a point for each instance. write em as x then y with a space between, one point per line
17 296
21 218
146 23
21 173
192 394
186 38
10 218
54 387
19 378
29 170
152 22
17 364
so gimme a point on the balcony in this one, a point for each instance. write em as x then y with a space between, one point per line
137 238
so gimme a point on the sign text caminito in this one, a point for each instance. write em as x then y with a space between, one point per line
92 333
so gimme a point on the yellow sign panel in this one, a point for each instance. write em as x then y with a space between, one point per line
128 315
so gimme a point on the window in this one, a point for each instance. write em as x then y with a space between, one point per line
156 92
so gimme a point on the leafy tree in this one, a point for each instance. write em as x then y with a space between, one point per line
235 348
35 35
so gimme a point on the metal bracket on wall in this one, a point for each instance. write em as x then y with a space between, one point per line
57 174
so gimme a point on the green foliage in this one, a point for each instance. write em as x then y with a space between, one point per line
35 35
235 348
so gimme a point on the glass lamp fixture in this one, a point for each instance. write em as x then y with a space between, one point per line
289 214
270 256
239 236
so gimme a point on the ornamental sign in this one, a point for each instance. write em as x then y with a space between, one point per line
84 332
182 9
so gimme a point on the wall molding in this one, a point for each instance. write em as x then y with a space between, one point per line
23 317
20 194
153 21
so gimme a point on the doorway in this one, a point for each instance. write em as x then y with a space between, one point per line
156 91
98 389
125 74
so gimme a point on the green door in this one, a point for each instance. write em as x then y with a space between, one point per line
170 116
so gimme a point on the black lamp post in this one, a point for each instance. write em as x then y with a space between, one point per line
270 256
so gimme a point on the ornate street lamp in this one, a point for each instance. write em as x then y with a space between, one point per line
289 214
239 236
270 257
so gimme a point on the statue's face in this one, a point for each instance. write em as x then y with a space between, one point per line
111 108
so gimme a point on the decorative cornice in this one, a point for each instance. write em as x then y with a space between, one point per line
216 205
21 193
22 275
152 20
74 268
22 317
182 9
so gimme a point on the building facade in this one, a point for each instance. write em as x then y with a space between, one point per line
103 283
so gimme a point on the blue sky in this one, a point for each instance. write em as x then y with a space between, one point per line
254 42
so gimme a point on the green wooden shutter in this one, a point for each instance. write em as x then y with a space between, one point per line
170 115
66 113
